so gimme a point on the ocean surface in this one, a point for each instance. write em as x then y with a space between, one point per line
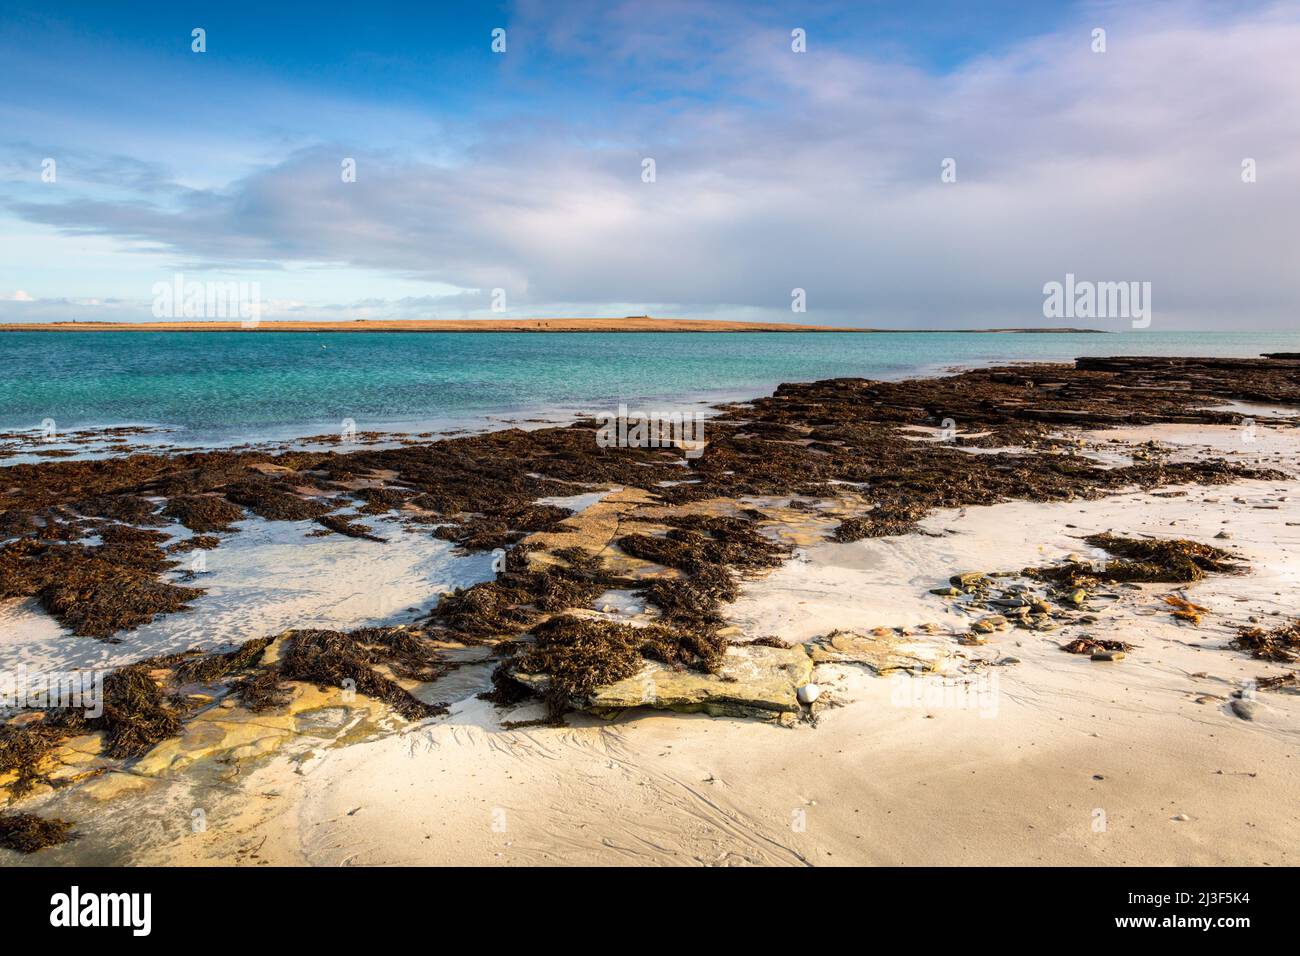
231 387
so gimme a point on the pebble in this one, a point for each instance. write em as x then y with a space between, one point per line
1181 817
1244 709
808 693
1108 655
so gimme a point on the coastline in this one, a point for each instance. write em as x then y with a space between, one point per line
683 798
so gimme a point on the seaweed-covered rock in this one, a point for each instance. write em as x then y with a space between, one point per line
752 681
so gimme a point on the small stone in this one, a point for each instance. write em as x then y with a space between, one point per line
945 592
1223 534
1108 655
1009 660
971 579
1181 817
808 693
1078 597
1244 709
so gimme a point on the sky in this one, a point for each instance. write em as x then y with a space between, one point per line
916 165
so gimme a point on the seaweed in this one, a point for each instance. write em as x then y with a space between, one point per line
200 542
1090 645
27 833
94 591
769 641
204 513
23 749
518 599
379 501
262 691
136 714
578 655
696 542
338 659
212 667
1177 559
353 529
487 532
1288 681
1280 644
98 602
1163 561
482 490
127 507
1185 610
268 498
697 598
884 520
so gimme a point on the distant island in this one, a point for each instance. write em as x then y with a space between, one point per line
634 323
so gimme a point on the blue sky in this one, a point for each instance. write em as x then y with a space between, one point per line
774 169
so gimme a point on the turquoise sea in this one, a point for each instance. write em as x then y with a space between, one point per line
241 386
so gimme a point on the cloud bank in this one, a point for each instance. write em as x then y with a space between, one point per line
777 170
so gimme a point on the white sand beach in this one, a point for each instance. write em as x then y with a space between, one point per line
1025 755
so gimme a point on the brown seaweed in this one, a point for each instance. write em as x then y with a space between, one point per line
1280 644
204 513
27 833
338 659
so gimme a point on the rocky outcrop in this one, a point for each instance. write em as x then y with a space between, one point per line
883 654
753 681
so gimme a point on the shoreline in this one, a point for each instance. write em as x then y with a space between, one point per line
783 528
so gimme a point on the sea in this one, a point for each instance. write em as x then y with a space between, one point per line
221 388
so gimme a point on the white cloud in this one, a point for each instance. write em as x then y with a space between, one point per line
821 171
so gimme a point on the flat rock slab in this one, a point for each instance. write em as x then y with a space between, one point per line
754 681
883 654
234 734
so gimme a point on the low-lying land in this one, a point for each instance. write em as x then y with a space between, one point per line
631 323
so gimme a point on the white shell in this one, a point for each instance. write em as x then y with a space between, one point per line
808 693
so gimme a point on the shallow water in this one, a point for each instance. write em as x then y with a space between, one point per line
269 577
222 387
